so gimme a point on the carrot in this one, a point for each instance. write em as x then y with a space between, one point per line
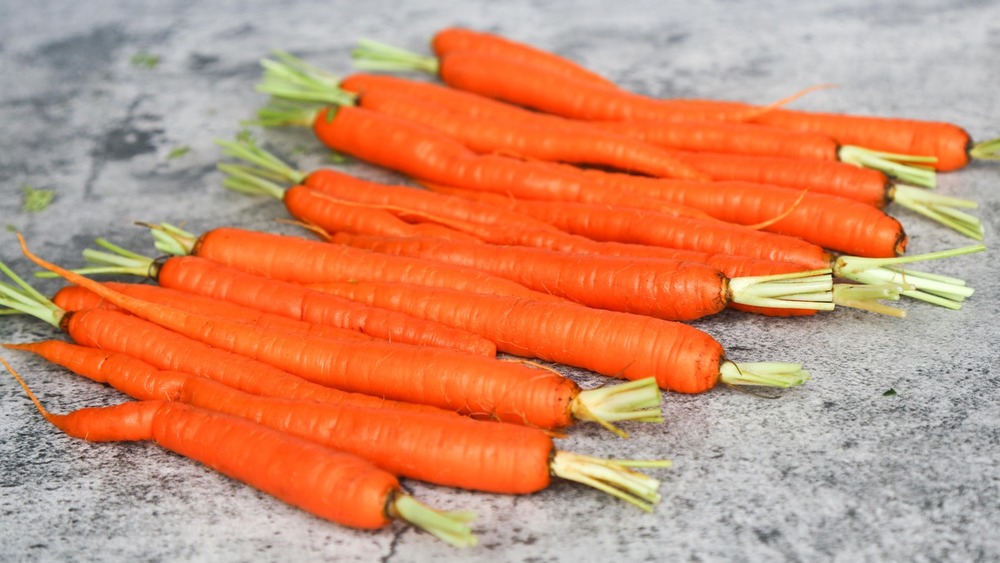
73 298
223 284
664 288
445 450
529 136
295 259
950 145
447 379
533 86
835 223
653 228
455 39
337 486
424 154
556 93
120 332
681 357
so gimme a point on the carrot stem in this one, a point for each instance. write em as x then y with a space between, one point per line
449 526
25 299
866 297
374 55
637 400
264 163
941 208
764 374
797 290
611 476
907 168
986 150
940 290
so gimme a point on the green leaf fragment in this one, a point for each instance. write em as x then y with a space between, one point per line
144 60
35 199
178 152
890 392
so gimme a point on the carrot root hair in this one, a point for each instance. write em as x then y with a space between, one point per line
449 526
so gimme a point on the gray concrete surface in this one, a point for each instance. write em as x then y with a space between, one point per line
833 471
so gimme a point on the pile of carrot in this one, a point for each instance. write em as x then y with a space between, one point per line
551 216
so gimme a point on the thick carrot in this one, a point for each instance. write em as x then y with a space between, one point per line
681 357
663 288
334 485
453 39
448 379
198 276
445 450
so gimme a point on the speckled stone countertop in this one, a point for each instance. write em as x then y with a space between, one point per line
834 470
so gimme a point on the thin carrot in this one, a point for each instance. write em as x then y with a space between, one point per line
445 450
337 486
452 39
681 357
448 379
529 136
73 298
128 334
223 284
663 288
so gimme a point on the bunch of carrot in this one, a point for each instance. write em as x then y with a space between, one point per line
558 218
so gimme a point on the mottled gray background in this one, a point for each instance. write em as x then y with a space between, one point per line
835 470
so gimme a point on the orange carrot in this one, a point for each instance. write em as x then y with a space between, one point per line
484 456
681 357
334 485
529 136
295 259
663 288
455 39
222 284
646 227
73 298
950 145
537 87
448 379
